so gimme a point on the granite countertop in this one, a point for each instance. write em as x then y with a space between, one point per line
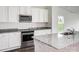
16 29
8 30
36 28
58 41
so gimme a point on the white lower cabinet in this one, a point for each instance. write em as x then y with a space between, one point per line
9 41
3 41
41 47
14 39
42 32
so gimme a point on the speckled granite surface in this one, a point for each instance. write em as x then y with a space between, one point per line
8 30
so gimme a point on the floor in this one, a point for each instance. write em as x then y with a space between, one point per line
29 49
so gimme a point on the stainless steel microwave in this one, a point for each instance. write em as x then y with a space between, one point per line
25 18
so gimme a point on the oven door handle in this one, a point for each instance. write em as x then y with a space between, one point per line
27 33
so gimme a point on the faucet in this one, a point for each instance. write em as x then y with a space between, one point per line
71 30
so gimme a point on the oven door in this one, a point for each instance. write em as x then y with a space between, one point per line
27 37
27 40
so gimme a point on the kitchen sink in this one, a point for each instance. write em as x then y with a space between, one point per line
67 33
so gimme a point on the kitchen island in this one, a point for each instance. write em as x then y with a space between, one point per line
56 43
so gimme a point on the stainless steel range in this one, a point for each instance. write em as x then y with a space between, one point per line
27 40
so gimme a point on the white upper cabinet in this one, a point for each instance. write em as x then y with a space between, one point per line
9 14
39 15
26 10
35 14
45 15
3 14
13 14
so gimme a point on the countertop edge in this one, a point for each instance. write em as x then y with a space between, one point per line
19 30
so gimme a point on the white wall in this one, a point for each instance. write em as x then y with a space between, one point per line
70 19
73 22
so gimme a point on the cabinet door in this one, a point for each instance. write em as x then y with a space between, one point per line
45 16
3 41
35 14
26 10
41 47
41 15
3 14
13 14
14 39
42 32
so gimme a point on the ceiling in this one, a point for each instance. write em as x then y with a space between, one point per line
74 9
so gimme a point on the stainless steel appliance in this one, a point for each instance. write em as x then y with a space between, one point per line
27 40
25 18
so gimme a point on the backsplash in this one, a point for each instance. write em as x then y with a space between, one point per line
31 25
10 25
